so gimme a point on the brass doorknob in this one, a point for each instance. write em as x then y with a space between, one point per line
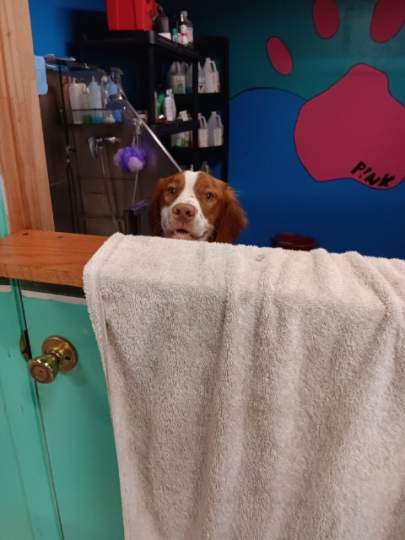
58 354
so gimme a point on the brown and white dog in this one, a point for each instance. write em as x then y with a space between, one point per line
195 206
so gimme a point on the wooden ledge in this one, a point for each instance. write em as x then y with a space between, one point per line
47 257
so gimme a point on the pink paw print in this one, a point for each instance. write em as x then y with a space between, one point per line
355 128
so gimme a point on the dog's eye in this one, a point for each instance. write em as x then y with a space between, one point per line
209 195
171 190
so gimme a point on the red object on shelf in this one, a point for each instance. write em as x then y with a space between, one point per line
131 14
294 241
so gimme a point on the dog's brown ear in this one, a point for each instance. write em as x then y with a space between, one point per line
233 219
155 208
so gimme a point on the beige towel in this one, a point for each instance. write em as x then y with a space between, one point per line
255 393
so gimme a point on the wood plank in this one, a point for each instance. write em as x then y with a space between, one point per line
47 257
22 151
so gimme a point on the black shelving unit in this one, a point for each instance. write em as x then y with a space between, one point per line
216 48
152 54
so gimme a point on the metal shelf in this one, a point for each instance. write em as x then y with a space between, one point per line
165 129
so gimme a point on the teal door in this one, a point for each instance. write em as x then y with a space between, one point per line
58 467
28 507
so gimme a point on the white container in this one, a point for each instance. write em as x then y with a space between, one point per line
76 101
177 78
215 130
211 76
202 131
95 100
170 106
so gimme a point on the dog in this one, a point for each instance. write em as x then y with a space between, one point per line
192 205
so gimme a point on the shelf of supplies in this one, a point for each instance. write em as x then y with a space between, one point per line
127 41
164 129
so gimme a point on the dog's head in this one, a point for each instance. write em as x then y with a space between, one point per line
195 206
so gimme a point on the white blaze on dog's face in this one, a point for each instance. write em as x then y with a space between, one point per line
184 217
195 206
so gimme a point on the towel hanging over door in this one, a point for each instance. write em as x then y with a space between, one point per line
256 394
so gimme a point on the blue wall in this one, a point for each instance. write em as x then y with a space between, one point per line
50 20
275 189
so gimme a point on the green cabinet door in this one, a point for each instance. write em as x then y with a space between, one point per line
76 419
58 469
28 506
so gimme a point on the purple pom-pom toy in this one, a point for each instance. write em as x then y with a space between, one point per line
130 159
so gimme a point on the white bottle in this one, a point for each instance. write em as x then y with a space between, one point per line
75 99
215 130
177 78
95 100
211 76
207 75
202 86
183 29
202 131
170 106
189 25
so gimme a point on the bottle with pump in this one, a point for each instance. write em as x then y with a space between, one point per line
183 29
184 20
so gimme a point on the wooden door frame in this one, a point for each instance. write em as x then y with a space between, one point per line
22 150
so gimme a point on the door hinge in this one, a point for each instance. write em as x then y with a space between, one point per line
25 347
